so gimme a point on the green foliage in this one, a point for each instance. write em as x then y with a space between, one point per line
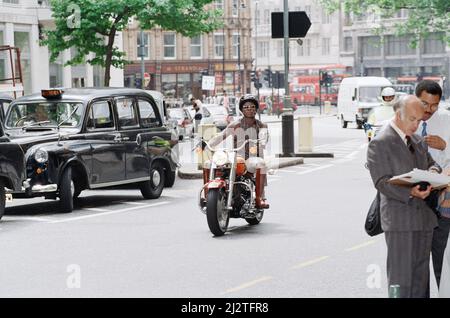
91 25
424 16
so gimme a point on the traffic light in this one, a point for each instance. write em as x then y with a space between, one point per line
267 76
328 80
253 76
137 82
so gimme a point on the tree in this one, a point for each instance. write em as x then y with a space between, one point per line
90 26
424 16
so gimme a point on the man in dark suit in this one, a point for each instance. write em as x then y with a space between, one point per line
406 219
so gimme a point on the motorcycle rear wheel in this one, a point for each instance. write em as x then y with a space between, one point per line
256 220
217 214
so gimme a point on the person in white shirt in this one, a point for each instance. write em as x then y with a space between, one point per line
435 130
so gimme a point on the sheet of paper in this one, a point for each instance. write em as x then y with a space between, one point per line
436 180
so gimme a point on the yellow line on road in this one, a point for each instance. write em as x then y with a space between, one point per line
247 285
311 262
357 247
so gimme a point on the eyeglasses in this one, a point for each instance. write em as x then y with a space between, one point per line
432 106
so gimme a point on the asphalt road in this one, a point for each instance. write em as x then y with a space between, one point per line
311 243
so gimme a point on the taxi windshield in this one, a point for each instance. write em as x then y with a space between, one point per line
44 114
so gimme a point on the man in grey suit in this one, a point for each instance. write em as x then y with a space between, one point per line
407 221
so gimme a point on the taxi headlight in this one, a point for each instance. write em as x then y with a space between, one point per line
41 156
220 158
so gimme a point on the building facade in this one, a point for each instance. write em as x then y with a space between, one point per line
176 64
20 25
321 45
390 55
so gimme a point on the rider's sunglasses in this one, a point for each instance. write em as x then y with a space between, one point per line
248 107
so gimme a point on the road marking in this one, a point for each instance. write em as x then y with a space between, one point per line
314 169
286 170
247 285
96 210
352 155
25 218
108 213
357 247
135 203
309 263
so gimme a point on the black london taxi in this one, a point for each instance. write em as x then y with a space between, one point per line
63 141
5 100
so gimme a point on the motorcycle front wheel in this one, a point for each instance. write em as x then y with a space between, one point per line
216 212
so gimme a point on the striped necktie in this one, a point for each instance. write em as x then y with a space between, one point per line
424 129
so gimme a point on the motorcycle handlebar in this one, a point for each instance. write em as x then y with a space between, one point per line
234 149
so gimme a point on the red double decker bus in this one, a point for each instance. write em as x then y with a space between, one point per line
305 86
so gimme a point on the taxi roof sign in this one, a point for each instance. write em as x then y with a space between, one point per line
52 93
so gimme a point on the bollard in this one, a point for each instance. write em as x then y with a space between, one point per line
287 130
394 291
206 132
327 107
305 134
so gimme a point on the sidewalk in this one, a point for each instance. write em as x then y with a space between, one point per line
190 171
307 110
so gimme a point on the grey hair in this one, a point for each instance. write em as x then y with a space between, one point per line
400 105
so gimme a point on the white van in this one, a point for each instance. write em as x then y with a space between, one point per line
357 95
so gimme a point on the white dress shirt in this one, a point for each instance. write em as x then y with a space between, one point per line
439 125
399 131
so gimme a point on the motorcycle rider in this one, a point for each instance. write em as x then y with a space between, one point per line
248 127
385 110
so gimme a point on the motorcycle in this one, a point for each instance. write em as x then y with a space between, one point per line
229 189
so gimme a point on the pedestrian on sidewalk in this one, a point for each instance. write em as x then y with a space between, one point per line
406 219
197 105
435 129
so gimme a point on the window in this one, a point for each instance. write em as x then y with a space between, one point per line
234 8
326 18
326 46
147 114
300 50
146 45
219 4
235 45
100 116
308 11
127 112
266 17
370 46
196 47
398 46
307 44
218 45
11 1
263 48
348 44
258 17
433 44
169 45
280 48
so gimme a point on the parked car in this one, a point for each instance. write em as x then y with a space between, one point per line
219 114
181 121
63 142
5 100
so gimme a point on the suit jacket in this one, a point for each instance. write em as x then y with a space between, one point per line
388 156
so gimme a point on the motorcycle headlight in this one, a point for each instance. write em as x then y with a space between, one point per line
41 156
220 158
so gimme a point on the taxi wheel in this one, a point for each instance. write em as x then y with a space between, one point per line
170 179
153 188
66 192
2 199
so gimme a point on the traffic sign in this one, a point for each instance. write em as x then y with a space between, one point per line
208 83
299 24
